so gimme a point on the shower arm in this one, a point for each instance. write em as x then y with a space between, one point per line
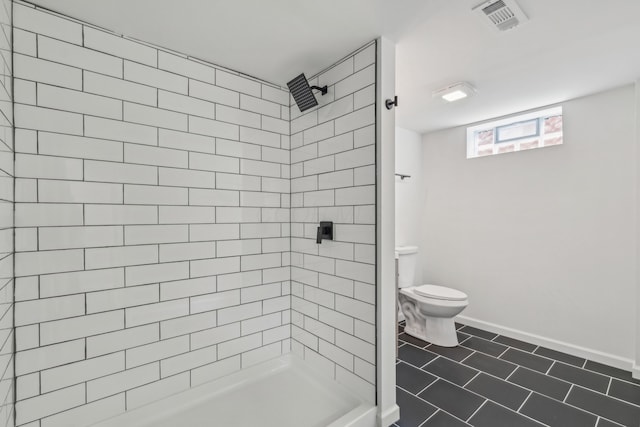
322 89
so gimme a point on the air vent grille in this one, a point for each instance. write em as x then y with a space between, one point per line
502 14
494 7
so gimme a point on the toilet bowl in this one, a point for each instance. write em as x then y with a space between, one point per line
429 311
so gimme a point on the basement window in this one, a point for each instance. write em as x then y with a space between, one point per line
538 129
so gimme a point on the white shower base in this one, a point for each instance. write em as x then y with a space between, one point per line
283 392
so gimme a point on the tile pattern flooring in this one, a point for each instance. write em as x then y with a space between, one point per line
491 380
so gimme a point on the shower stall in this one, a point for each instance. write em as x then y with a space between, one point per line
160 215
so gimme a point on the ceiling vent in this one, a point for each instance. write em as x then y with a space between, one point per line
501 15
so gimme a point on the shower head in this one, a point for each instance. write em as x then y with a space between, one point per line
303 93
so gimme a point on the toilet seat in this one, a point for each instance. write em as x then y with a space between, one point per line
440 292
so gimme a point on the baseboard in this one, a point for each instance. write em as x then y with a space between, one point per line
586 353
389 416
636 371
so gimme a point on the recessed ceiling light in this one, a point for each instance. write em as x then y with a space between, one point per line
455 92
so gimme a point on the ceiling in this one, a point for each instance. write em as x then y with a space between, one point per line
274 40
568 49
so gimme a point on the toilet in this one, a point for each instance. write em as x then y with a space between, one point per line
428 309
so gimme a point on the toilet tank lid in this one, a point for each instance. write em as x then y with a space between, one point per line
406 250
440 292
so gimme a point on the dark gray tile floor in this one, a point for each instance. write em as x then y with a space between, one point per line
494 381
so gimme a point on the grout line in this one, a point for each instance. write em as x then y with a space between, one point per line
525 400
472 353
428 385
476 411
474 377
550 367
512 372
430 416
568 393
431 404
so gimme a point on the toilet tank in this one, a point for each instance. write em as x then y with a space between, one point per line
407 259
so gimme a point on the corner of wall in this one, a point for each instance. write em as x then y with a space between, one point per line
7 246
385 228
333 179
636 370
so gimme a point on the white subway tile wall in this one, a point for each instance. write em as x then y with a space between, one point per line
153 222
7 283
333 179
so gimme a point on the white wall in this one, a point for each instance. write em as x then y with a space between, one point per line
543 241
333 179
636 370
161 203
386 292
409 191
152 219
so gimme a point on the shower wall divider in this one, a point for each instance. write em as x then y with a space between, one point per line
165 222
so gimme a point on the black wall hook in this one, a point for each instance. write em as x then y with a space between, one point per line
390 103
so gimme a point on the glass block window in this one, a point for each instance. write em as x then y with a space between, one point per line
517 133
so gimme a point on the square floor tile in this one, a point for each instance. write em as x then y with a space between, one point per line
493 415
556 414
625 391
580 376
490 365
451 371
607 407
411 378
541 383
562 357
412 340
413 411
485 346
442 419
452 399
528 360
478 332
456 353
415 356
511 342
500 391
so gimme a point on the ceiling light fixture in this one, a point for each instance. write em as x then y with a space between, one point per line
455 92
